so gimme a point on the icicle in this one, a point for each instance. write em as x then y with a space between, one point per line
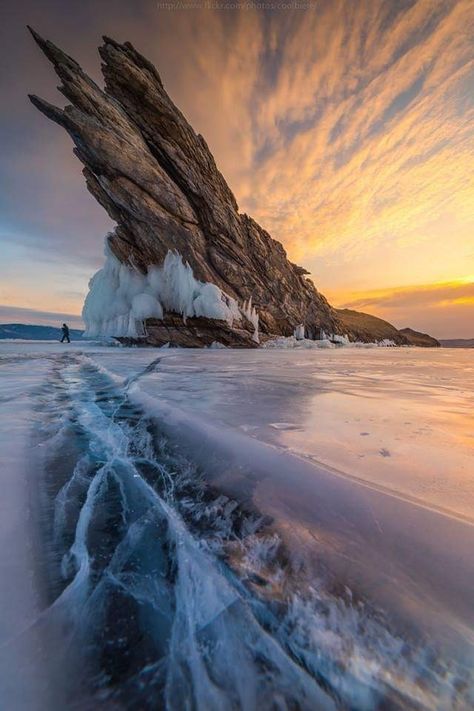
299 332
250 312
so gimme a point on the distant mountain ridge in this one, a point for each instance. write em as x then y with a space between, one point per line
29 332
365 327
416 338
457 343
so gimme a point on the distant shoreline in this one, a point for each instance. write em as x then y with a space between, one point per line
457 342
34 332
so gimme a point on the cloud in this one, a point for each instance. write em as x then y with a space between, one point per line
432 295
386 135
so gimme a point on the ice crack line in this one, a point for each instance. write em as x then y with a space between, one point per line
165 583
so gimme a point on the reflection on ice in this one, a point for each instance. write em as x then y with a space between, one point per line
397 418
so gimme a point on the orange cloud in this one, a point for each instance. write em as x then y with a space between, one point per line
431 295
347 131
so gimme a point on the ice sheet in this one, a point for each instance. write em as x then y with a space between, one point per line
232 500
398 418
21 683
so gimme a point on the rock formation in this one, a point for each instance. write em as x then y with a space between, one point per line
364 327
158 181
416 338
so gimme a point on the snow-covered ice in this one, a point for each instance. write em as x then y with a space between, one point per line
166 512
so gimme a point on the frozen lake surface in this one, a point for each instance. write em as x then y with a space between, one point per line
309 513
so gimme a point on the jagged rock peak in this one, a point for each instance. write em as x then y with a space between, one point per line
158 180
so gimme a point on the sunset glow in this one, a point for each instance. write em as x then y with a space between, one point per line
346 130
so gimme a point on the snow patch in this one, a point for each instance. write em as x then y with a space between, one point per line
293 342
217 345
334 341
343 340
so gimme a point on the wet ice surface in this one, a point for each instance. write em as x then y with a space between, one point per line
170 512
399 418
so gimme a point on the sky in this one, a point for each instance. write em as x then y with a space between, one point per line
345 127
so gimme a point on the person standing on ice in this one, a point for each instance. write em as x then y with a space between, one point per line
65 330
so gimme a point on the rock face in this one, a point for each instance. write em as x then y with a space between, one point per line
415 338
158 180
366 328
202 331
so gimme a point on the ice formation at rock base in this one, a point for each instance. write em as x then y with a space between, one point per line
121 298
288 342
